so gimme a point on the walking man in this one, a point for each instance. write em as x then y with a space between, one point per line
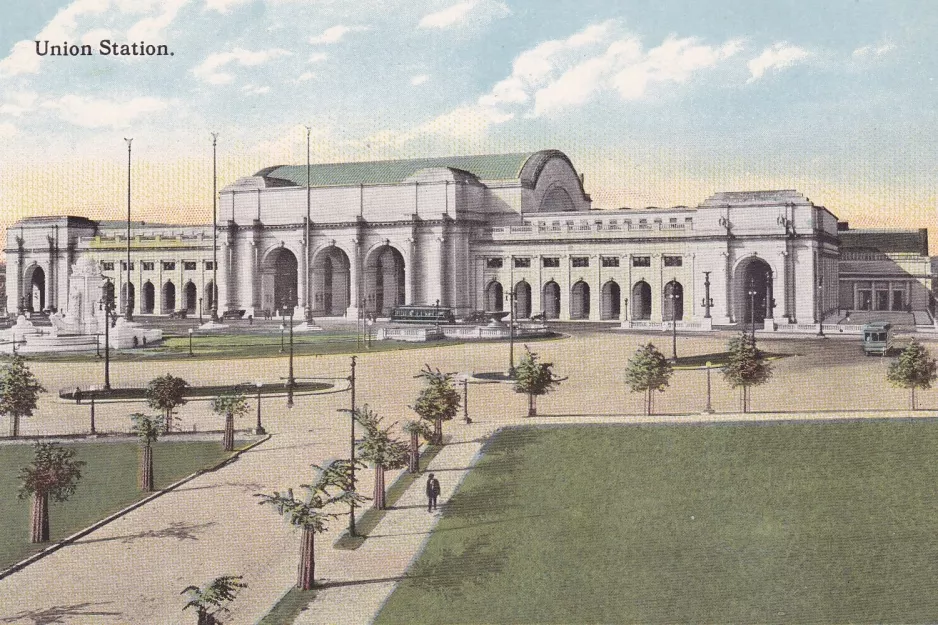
433 491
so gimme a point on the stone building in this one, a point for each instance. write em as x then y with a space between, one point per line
471 232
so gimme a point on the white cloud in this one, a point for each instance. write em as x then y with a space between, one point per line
317 57
779 56
18 103
255 90
419 80
208 70
7 130
867 52
469 11
150 29
465 121
305 76
224 6
90 112
335 34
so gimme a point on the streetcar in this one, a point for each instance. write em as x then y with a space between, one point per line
423 314
877 338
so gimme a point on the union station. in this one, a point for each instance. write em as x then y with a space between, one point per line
472 233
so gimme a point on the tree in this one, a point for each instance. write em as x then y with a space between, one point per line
914 369
332 486
747 367
216 594
380 449
19 392
53 473
148 429
439 400
166 393
534 378
416 429
648 371
231 405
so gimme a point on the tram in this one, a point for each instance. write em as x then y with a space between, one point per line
877 338
423 314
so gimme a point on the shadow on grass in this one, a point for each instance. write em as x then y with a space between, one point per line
59 614
371 517
297 601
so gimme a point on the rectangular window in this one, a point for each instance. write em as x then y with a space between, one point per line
550 262
209 264
673 261
188 265
641 261
581 261
169 265
610 261
493 263
107 266
124 265
148 265
522 263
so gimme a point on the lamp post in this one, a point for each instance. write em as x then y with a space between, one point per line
673 297
625 305
200 311
91 393
752 308
370 323
130 307
511 332
820 306
351 516
465 398
282 328
709 408
707 300
214 228
259 429
291 381
107 305
190 342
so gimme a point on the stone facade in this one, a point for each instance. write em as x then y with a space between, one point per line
470 233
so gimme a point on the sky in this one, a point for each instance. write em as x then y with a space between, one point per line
659 104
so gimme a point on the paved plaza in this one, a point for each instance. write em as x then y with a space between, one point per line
132 570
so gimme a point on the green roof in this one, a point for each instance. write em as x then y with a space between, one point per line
886 240
483 167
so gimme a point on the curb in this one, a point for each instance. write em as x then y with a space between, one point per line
19 566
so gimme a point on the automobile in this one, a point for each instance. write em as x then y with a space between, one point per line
179 314
877 338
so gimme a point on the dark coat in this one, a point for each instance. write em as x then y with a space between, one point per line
433 487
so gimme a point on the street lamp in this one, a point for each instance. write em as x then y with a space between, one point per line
752 307
107 305
673 297
91 393
370 323
291 381
200 311
465 398
709 408
707 300
511 331
282 328
820 309
259 429
190 342
130 306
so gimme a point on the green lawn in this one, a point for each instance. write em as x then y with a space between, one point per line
108 484
786 522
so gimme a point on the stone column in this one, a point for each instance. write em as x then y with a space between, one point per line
52 276
355 279
410 271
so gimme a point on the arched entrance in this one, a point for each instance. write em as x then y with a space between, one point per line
550 300
641 301
125 288
169 298
580 301
522 300
149 298
279 280
673 308
331 284
753 290
611 296
210 293
34 299
191 294
384 280
494 297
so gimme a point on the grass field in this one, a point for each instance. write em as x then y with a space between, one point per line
773 522
108 484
